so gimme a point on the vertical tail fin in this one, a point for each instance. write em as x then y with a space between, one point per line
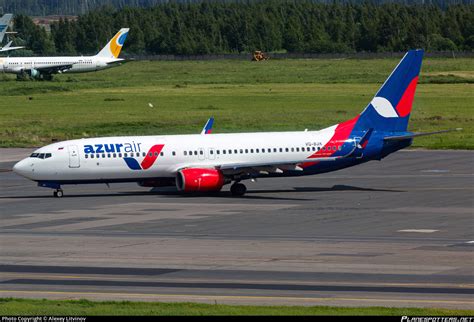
114 46
4 22
390 108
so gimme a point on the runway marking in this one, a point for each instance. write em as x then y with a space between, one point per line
200 280
470 242
432 210
234 297
423 231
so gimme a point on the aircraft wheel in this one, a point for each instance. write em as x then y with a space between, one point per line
58 193
238 189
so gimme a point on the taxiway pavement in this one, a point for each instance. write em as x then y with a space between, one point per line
394 233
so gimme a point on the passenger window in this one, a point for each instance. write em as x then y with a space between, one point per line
115 155
103 155
162 154
319 148
190 152
235 151
246 151
150 154
241 151
218 152
201 152
125 154
223 152
251 150
120 155
156 154
286 150
86 156
92 156
297 149
143 154
324 148
281 150
108 155
174 153
257 150
211 151
97 156
292 149
185 153
314 149
275 150
138 154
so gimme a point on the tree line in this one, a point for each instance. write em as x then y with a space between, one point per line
78 7
304 26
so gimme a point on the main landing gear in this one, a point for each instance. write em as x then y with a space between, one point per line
238 189
58 193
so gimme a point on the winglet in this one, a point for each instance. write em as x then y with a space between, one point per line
207 129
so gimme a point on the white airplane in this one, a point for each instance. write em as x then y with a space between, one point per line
205 163
44 67
4 23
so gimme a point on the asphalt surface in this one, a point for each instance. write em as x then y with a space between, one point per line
396 233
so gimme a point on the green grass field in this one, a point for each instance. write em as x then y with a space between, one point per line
275 95
83 307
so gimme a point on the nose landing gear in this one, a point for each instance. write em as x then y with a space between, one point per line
58 193
238 189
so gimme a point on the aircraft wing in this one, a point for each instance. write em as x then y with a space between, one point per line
262 167
8 47
54 69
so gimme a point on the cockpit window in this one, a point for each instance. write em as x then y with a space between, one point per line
41 155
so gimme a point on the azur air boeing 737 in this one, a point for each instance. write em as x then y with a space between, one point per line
205 163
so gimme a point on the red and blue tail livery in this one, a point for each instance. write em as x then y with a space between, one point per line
205 163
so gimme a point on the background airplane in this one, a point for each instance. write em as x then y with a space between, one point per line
4 23
45 67
205 163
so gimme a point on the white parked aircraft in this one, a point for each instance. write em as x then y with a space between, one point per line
44 67
4 23
205 163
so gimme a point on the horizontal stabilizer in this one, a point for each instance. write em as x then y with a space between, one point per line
416 134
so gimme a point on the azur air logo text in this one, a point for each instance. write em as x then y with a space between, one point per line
131 148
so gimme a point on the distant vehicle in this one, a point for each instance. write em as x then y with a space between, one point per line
4 23
259 55
45 67
205 163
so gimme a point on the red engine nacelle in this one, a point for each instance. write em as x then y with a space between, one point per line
199 180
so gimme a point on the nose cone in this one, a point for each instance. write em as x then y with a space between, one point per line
23 168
